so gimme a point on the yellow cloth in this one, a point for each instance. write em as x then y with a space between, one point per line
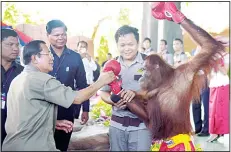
174 141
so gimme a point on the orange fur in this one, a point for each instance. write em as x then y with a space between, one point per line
170 91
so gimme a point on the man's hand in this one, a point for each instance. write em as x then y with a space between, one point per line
106 77
128 95
84 118
121 104
64 125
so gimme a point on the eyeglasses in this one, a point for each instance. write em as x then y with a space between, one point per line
50 54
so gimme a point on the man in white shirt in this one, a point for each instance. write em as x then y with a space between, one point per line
88 61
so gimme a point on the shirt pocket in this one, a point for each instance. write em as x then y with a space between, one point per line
70 71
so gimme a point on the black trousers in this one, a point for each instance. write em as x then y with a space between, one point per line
77 109
196 108
3 121
62 139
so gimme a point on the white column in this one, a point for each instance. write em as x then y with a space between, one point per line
160 33
149 25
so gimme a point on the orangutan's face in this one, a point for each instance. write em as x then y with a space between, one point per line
151 76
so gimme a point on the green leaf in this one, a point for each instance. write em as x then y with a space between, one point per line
123 18
11 15
103 50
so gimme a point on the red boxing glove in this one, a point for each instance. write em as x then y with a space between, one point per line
158 11
167 10
113 65
115 86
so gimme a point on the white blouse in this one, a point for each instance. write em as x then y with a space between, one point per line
218 78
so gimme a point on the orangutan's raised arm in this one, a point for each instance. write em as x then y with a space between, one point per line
209 46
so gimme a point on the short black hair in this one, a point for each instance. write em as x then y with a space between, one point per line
178 39
163 40
83 42
54 24
145 39
109 54
7 33
32 48
126 29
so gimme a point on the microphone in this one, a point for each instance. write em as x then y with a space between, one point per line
115 98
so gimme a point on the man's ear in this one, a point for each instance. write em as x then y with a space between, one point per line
34 59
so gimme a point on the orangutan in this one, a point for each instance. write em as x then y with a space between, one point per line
166 94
